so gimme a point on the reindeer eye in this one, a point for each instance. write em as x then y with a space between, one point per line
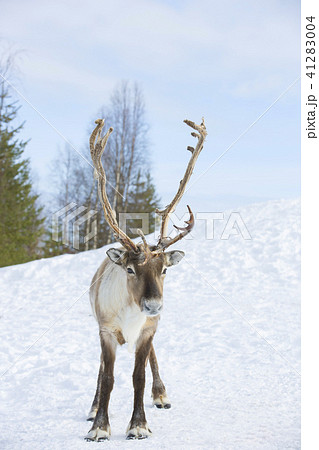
129 270
164 271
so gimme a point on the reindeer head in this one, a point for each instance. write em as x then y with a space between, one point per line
145 275
145 266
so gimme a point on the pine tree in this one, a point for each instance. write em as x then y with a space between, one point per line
20 221
143 199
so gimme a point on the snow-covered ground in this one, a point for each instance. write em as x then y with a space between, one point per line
228 346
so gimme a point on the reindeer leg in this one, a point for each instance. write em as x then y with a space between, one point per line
96 401
160 399
101 426
138 428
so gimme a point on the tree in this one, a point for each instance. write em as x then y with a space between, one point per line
129 184
126 157
142 199
21 225
72 181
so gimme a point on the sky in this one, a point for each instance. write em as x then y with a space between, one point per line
227 61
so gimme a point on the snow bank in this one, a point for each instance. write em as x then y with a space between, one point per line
228 345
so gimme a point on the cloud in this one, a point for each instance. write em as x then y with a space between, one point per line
153 39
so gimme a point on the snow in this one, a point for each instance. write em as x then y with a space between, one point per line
228 345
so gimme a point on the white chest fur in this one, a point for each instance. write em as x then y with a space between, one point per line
117 313
131 322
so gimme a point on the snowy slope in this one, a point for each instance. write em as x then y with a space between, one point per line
230 389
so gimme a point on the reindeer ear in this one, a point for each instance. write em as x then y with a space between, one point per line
174 257
115 255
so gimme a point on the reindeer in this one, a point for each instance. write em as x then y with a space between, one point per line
126 296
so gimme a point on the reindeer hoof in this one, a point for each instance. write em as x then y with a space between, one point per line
162 402
98 434
141 432
160 406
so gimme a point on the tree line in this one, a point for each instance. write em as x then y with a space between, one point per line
29 231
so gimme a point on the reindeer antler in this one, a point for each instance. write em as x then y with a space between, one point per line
164 240
144 248
97 149
97 146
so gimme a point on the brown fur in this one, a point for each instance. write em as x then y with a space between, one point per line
144 287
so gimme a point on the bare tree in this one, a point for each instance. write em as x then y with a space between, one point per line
72 181
126 155
125 159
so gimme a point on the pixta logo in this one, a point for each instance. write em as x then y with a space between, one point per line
63 223
67 223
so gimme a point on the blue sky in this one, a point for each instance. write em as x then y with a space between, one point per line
225 60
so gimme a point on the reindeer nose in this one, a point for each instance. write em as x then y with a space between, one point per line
152 307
